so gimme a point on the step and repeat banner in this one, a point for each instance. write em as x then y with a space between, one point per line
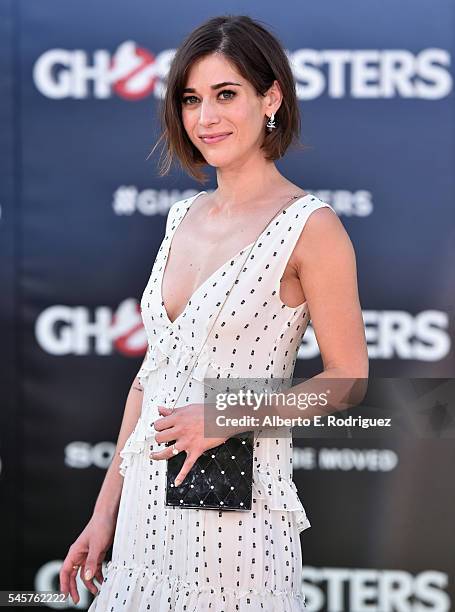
82 215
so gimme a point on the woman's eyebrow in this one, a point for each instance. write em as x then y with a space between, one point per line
217 86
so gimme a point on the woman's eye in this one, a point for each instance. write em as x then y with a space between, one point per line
230 93
185 100
227 91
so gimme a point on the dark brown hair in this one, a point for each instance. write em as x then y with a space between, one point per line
259 58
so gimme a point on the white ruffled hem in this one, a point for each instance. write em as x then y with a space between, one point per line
139 588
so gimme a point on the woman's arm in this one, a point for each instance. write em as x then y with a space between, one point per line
108 500
327 269
89 549
328 275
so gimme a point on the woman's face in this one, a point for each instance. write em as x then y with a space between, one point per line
218 100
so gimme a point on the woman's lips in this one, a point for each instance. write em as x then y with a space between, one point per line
213 139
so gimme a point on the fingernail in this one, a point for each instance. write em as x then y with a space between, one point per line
177 481
88 574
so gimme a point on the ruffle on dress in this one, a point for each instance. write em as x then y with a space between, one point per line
170 346
280 494
135 444
148 589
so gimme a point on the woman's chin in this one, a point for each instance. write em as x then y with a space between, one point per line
220 161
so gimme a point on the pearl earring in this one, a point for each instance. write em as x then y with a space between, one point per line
270 125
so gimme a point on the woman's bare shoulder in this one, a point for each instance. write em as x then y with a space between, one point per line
322 232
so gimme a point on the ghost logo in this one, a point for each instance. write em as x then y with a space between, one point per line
133 72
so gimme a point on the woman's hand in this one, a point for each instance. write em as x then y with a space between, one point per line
185 425
88 551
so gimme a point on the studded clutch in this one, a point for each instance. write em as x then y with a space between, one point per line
222 477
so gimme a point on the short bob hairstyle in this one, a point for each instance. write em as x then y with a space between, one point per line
259 57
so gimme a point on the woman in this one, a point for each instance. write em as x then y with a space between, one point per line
231 104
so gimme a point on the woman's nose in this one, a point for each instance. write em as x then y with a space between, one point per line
208 113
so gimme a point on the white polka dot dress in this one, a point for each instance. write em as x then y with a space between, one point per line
196 560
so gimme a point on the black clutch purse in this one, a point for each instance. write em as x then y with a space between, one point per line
222 477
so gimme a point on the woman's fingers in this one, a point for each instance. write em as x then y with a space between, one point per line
186 467
165 411
99 574
165 428
167 420
167 435
73 585
68 576
88 583
90 569
65 577
167 452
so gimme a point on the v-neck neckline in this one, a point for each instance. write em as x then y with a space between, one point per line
219 269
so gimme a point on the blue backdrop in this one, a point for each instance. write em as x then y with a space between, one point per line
83 214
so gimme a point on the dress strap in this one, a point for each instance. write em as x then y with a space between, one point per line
275 249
